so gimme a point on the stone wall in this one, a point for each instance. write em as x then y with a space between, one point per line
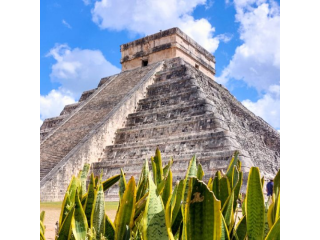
184 113
151 57
167 44
258 138
128 87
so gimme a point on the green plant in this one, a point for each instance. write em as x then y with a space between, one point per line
42 227
155 209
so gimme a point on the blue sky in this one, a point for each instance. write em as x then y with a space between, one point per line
80 44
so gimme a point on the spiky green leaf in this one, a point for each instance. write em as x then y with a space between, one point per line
233 163
255 205
125 214
92 193
97 216
210 183
154 222
110 182
237 190
109 231
276 184
42 215
83 179
42 236
42 228
227 210
235 177
140 205
69 198
158 163
224 190
200 172
202 213
122 183
167 168
191 172
224 229
65 228
216 185
274 233
176 213
143 181
167 189
79 222
241 228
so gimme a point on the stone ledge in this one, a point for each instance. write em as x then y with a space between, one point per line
86 94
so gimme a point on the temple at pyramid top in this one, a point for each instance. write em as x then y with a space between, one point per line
164 45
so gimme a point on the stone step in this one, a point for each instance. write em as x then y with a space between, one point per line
168 122
192 108
177 158
52 123
172 72
173 86
183 136
86 94
162 109
176 155
197 124
69 108
167 99
189 144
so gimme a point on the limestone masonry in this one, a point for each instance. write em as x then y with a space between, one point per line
165 45
164 97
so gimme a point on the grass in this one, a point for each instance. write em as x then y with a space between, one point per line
50 204
111 205
108 205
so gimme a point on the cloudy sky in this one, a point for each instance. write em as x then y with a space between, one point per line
80 44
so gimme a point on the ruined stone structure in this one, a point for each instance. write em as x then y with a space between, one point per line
165 97
165 45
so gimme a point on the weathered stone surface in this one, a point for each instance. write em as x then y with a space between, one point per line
171 105
86 94
68 109
185 113
81 137
164 45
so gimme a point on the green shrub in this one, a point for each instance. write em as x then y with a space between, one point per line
154 209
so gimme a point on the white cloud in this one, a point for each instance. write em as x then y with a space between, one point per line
64 22
148 16
257 60
267 107
78 70
86 2
52 104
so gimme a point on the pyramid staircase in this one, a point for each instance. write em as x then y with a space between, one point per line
178 118
170 105
61 135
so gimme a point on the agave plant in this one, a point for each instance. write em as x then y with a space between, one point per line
82 212
153 209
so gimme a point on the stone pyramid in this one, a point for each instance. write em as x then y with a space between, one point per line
165 97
